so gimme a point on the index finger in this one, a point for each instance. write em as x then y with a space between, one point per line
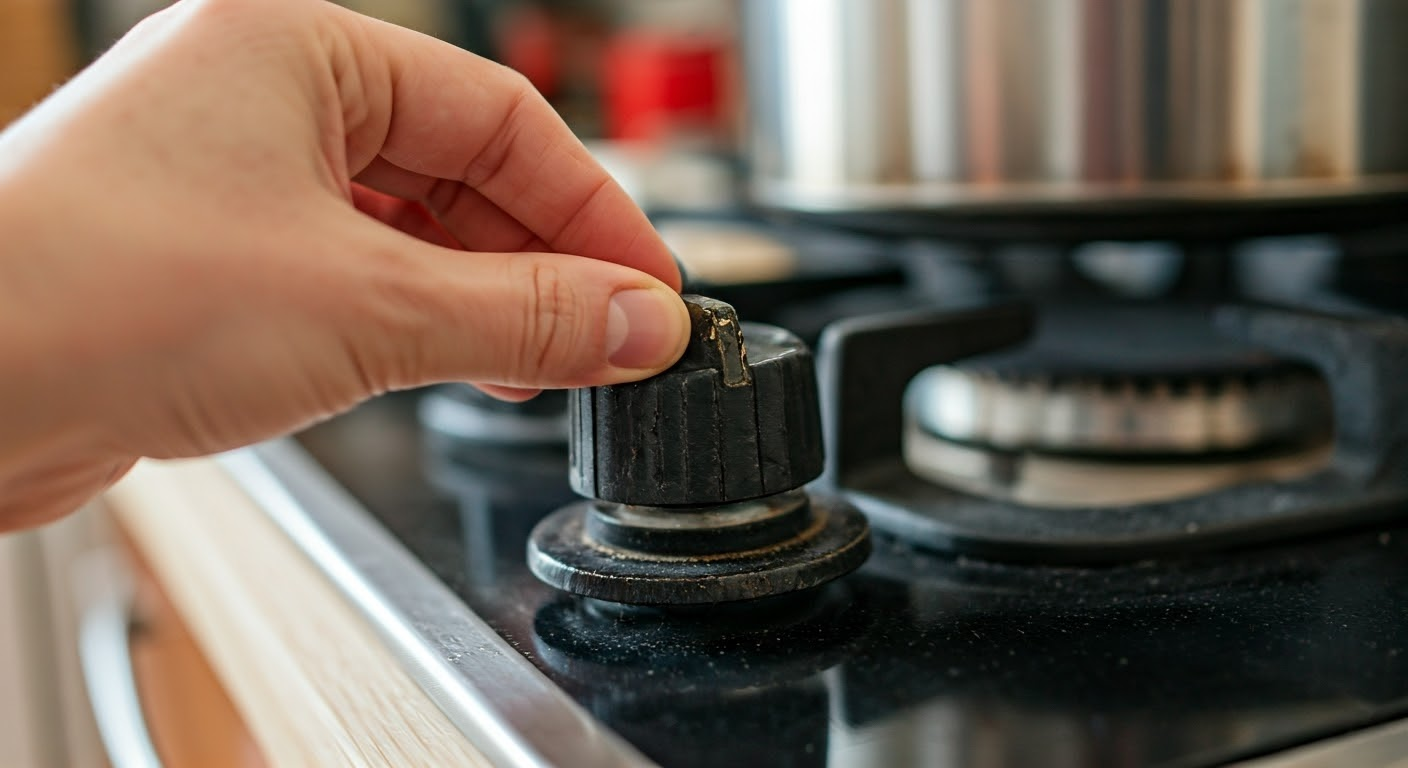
444 113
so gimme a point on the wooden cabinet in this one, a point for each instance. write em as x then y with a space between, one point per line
301 667
46 713
36 52
192 720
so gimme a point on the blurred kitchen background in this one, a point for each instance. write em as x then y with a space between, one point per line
648 82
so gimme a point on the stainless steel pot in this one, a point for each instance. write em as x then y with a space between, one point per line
1091 107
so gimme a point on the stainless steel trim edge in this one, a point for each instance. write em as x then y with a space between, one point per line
505 707
1383 746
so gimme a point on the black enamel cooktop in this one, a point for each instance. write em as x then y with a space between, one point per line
918 658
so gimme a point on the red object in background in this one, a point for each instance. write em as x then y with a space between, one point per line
530 42
657 85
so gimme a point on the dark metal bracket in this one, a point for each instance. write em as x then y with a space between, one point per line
865 364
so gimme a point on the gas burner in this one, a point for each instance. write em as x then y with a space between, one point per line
697 473
867 363
1124 381
1115 405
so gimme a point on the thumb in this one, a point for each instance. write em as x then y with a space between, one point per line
530 320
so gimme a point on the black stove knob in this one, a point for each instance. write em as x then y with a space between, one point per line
696 479
736 418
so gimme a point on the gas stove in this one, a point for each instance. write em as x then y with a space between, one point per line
1105 529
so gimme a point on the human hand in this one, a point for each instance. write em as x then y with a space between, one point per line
252 214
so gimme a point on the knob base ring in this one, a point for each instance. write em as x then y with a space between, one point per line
563 553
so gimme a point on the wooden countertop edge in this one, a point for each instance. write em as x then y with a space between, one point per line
310 677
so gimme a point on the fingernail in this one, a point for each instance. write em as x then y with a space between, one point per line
641 325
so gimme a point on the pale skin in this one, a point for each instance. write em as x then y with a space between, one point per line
253 214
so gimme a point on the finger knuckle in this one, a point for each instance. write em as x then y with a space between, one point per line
521 102
549 344
515 87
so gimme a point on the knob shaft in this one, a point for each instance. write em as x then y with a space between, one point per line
736 418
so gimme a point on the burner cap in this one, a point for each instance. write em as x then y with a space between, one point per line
464 415
1124 380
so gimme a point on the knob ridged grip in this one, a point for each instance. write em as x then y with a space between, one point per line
728 422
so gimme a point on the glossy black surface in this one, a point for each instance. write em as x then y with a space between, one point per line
917 659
